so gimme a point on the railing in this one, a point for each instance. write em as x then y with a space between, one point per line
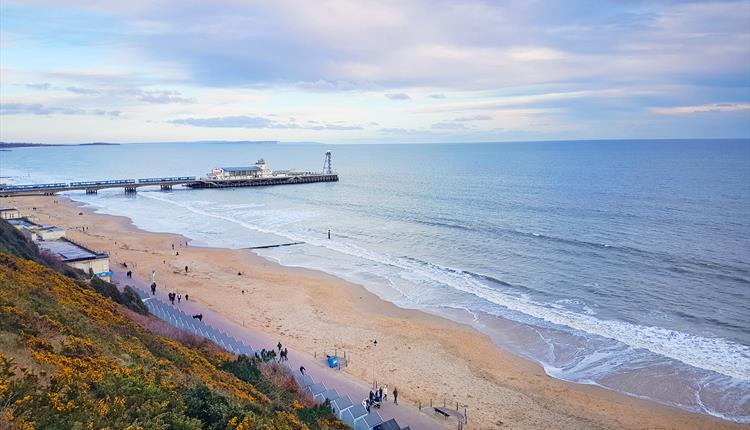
161 180
33 187
98 183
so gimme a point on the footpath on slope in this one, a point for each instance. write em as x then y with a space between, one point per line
343 383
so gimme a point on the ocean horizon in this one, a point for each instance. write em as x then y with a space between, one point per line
618 263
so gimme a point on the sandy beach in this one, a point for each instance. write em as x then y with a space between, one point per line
425 356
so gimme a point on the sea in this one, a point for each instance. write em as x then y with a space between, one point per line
622 264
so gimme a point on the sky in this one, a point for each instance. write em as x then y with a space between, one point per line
74 71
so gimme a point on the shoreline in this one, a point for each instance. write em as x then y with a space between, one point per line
425 355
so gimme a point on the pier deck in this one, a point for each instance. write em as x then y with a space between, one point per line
131 185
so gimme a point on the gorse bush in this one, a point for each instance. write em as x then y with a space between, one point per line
71 358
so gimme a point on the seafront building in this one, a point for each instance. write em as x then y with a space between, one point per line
51 239
9 212
78 256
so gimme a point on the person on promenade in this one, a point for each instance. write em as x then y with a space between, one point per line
385 392
179 297
395 395
302 370
153 288
279 346
372 396
286 354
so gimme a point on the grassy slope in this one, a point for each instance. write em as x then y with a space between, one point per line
71 358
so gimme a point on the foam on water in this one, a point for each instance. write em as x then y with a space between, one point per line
713 354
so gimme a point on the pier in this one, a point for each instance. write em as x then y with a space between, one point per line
131 185
256 175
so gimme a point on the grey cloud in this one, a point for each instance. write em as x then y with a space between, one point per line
79 90
448 126
398 96
323 85
437 96
473 118
247 121
40 109
102 112
40 86
162 97
148 96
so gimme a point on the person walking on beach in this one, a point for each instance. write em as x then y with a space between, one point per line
153 288
395 395
179 297
186 269
385 392
279 346
286 354
186 297
173 247
302 370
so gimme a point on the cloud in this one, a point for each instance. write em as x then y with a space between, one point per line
259 122
162 97
147 96
473 118
706 108
40 86
448 126
40 109
79 90
398 96
436 96
322 85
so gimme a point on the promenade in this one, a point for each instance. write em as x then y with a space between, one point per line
237 339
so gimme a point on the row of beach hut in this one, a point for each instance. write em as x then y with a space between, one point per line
354 414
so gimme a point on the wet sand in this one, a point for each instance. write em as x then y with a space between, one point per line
425 356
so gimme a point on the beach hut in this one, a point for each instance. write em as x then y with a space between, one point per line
316 389
351 415
391 424
368 422
331 394
340 405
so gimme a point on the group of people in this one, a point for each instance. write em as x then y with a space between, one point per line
378 396
172 296
283 353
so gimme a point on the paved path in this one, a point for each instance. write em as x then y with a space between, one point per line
343 383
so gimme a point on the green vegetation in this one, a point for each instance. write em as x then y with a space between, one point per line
74 358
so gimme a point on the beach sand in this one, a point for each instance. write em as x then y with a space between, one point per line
425 356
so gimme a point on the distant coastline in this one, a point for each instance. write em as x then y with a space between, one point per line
9 145
6 146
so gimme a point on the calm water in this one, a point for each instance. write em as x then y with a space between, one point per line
622 264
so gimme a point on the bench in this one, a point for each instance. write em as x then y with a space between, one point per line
442 412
